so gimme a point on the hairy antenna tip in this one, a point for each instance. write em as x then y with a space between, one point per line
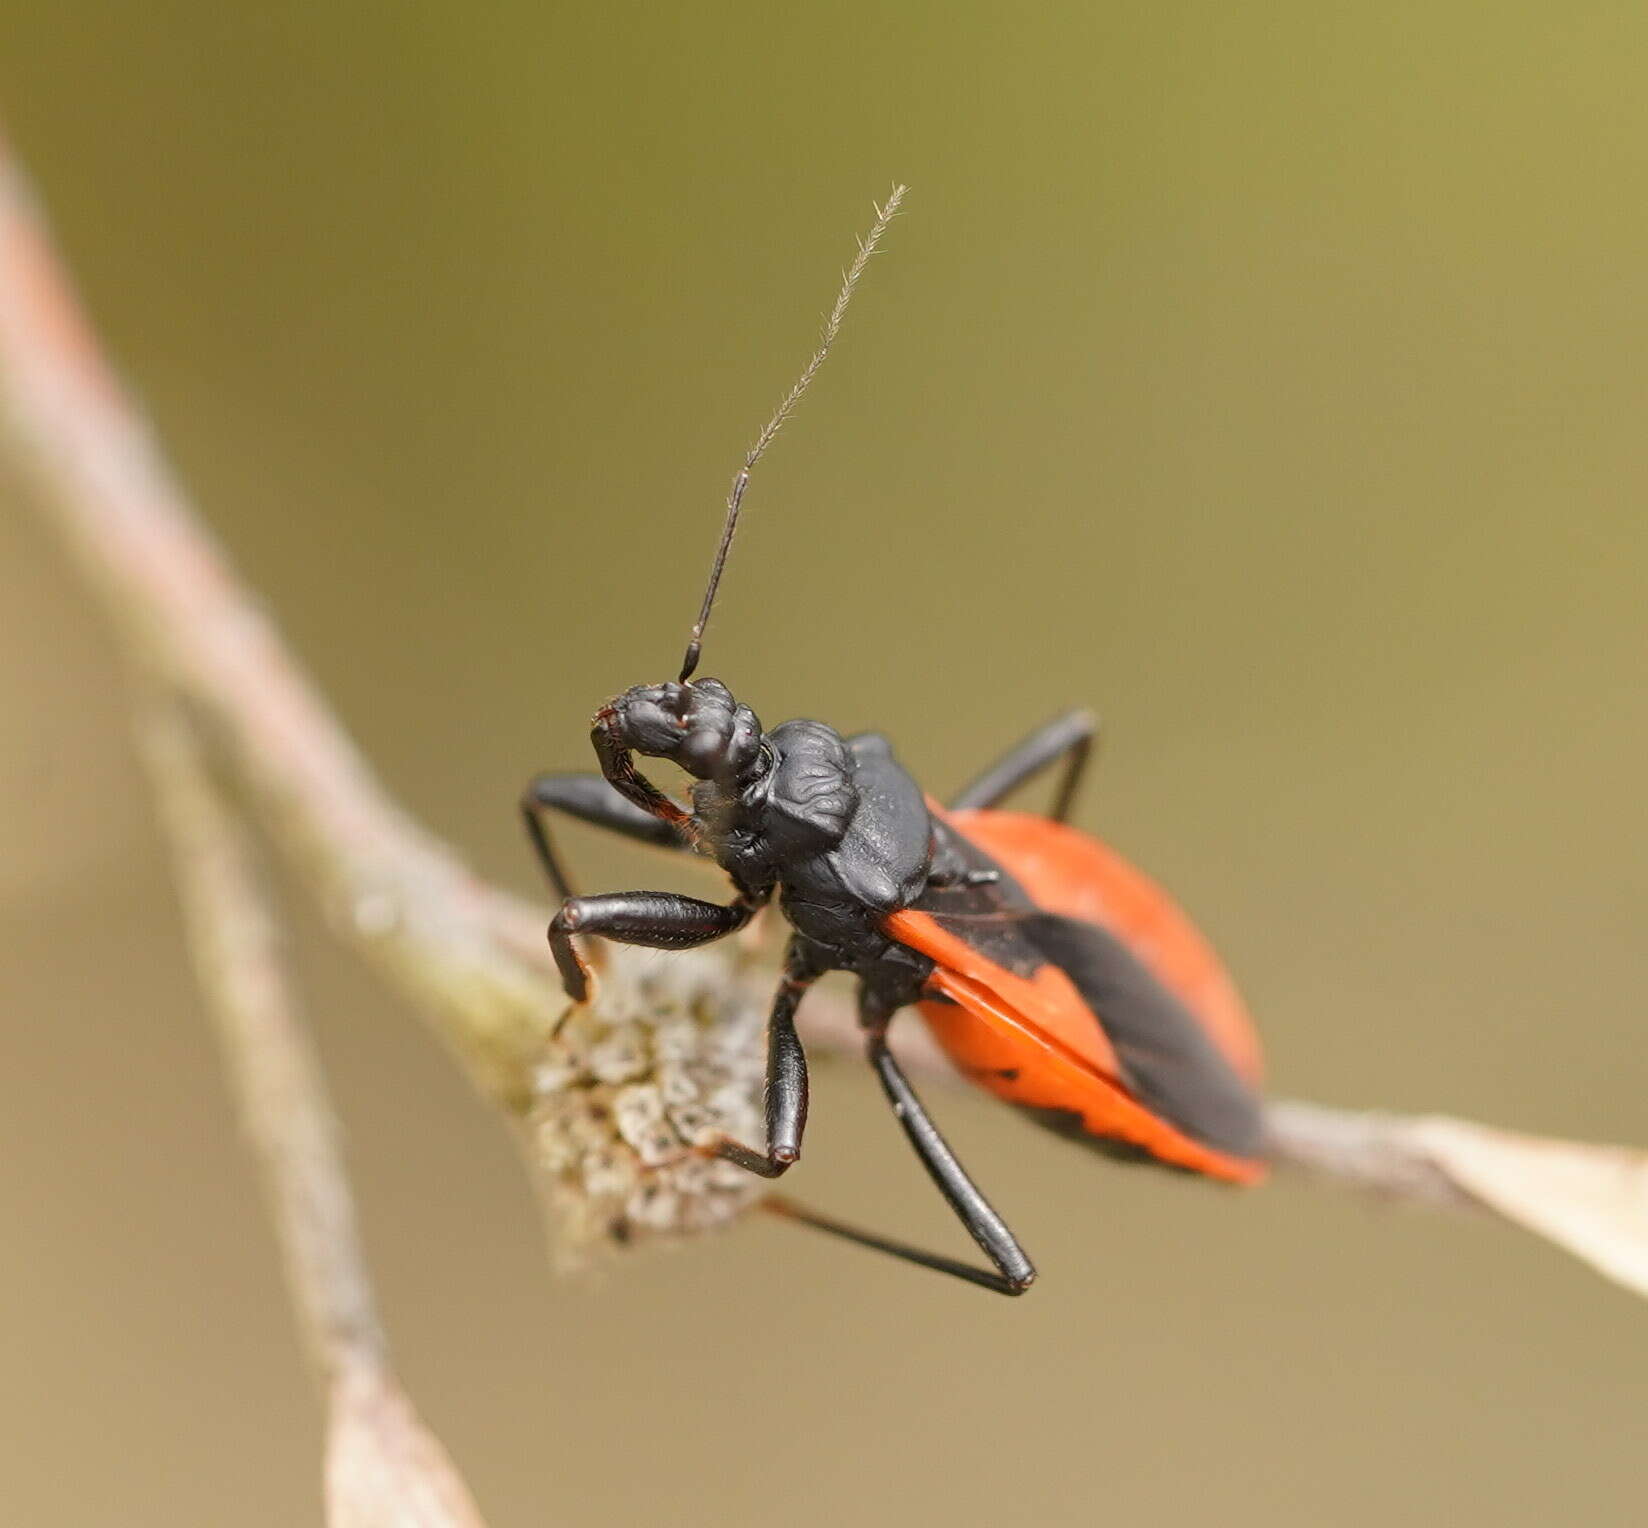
832 325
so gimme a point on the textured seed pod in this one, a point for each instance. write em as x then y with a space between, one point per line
669 1052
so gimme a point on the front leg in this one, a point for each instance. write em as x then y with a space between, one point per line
590 799
657 920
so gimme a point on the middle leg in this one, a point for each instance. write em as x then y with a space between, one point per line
786 1092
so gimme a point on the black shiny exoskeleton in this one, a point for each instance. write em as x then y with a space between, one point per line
840 833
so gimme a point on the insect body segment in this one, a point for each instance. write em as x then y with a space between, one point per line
1053 973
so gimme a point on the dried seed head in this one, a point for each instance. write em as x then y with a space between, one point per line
669 1052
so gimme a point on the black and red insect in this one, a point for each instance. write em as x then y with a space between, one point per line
1052 972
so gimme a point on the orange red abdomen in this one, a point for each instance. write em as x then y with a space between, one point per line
1121 1025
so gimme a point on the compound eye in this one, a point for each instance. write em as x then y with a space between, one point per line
744 745
703 752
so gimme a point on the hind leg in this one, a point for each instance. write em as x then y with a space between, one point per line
1070 736
1011 1271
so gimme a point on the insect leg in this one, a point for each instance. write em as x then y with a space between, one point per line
1012 1272
590 799
1071 735
778 1204
658 920
786 1082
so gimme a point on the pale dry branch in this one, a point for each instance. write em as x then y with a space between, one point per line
270 1062
383 1468
1591 1200
1382 1154
469 953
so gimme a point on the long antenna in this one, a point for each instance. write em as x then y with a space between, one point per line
832 327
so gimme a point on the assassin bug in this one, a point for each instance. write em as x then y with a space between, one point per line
1053 973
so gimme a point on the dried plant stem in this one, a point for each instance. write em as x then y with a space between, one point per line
378 1453
1380 1153
270 1062
471 954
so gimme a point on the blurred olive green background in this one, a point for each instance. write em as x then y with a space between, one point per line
1272 378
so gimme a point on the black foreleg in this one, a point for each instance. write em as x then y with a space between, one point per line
1070 735
657 920
590 799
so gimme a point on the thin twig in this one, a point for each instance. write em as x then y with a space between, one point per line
1380 1153
470 953
383 1466
272 1069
